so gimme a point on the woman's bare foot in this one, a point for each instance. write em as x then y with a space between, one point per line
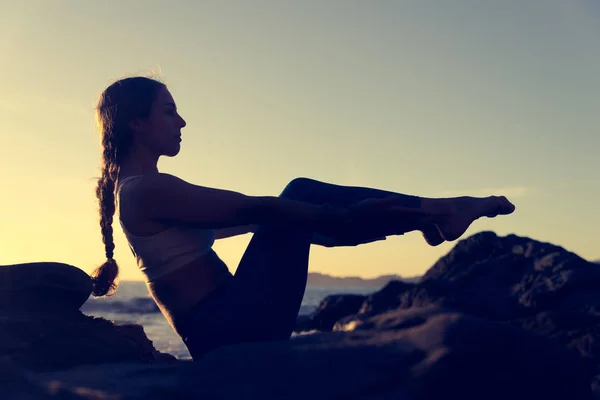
438 220
459 213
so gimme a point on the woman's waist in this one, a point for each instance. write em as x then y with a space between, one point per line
179 291
196 272
156 264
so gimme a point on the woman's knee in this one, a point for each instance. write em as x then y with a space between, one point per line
300 189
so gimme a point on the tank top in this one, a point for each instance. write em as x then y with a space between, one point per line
168 250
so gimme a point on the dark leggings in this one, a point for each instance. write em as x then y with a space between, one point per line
262 300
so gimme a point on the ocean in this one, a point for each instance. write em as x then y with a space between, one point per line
132 304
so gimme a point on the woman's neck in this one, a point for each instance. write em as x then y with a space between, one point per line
139 162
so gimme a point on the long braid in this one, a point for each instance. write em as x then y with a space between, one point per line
105 276
119 104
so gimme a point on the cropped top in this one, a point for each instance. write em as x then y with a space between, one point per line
168 250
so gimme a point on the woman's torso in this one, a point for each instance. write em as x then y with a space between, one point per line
176 293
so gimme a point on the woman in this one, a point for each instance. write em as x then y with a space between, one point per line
171 225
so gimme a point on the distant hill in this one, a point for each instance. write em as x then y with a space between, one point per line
318 279
596 262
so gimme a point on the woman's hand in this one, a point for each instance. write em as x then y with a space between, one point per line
346 225
335 227
363 222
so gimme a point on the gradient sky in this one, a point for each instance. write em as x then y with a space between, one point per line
422 97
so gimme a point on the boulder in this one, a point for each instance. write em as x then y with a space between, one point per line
440 355
495 318
531 285
511 277
500 278
44 287
47 342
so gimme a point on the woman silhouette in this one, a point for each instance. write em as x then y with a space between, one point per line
171 225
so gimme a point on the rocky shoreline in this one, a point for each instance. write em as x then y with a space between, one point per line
495 318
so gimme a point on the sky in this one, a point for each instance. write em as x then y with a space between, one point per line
431 98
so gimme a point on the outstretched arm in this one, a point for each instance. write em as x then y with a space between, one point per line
169 199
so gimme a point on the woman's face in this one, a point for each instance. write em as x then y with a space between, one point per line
161 131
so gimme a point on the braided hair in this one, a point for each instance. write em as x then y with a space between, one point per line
119 104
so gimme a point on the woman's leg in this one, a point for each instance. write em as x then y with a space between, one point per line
264 298
318 192
262 301
453 215
274 267
265 294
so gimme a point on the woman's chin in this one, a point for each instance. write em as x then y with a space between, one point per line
173 151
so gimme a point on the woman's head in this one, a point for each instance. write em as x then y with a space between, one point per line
135 115
139 113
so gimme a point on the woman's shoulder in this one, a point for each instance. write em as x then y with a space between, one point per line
145 180
129 202
125 183
133 191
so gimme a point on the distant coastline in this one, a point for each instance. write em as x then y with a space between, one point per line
318 279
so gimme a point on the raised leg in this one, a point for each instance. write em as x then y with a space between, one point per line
447 219
318 192
263 299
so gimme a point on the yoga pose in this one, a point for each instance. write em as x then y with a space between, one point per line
171 225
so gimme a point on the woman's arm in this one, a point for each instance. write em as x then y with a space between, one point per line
169 199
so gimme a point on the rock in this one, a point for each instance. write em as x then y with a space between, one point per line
331 309
46 341
444 355
511 277
302 324
388 298
500 278
21 385
496 318
534 286
390 320
43 286
318 279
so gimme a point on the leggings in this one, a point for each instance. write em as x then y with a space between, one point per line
262 300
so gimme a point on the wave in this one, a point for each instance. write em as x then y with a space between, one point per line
142 305
306 310
137 305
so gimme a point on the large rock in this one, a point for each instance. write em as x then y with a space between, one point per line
511 277
440 355
43 286
496 318
535 286
48 342
500 278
